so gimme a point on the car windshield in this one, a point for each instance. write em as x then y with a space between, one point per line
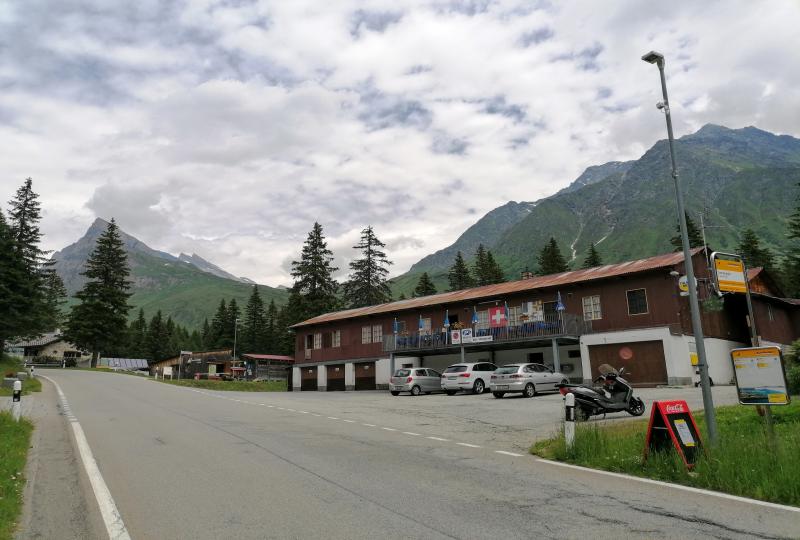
507 369
402 373
456 369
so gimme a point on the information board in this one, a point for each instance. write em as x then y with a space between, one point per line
760 378
730 275
672 425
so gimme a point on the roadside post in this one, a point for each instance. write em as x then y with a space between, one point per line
33 372
569 420
16 405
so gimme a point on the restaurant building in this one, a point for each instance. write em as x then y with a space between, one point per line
630 314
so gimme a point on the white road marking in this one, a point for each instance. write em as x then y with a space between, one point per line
271 406
368 425
674 486
292 410
411 433
332 418
468 445
315 414
281 408
303 412
108 509
507 453
438 439
389 428
349 421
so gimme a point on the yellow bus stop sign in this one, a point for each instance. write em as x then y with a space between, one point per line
730 276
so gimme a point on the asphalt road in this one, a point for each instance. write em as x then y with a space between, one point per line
183 463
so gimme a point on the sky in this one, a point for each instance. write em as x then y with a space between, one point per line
227 128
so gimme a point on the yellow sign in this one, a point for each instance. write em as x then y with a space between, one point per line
730 276
760 379
693 358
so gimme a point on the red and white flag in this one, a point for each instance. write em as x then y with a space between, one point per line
497 317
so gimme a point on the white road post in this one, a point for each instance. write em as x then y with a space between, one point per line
569 419
33 372
16 405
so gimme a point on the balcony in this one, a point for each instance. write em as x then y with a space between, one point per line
553 326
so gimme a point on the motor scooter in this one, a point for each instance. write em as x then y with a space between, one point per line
614 394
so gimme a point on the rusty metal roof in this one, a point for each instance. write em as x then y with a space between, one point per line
509 287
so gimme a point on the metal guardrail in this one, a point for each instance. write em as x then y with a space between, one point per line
551 326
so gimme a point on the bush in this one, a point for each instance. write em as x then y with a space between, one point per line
792 365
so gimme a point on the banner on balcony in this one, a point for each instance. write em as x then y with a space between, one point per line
455 337
497 317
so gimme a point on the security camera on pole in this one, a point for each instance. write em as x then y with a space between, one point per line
697 328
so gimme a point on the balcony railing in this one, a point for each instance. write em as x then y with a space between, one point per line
566 324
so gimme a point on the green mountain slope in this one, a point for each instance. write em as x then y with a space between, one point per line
160 281
736 178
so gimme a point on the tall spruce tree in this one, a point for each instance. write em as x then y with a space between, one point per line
254 325
314 290
205 336
368 284
99 321
753 253
54 296
425 286
13 288
791 262
551 261
137 336
218 326
494 273
157 338
480 270
692 230
231 328
592 257
271 328
459 276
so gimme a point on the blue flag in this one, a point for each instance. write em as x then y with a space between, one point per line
395 326
421 324
474 316
447 319
559 304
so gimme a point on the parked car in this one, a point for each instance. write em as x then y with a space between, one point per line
415 381
468 377
528 379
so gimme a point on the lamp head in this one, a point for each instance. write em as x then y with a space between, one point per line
654 57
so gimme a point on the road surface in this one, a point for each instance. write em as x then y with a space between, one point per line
185 463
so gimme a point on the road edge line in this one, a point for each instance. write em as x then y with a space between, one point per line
691 489
108 508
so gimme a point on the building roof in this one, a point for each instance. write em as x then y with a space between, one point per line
539 282
275 357
39 341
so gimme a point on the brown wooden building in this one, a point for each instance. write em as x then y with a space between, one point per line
628 314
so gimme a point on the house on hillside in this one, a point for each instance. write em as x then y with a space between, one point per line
186 366
630 315
51 347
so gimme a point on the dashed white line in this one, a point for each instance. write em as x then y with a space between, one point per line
368 425
332 418
315 414
389 428
271 406
468 445
411 433
438 439
507 453
303 412
349 421
292 410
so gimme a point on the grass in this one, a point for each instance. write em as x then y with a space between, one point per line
13 365
235 386
743 463
14 443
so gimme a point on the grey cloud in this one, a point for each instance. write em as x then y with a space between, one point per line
585 59
375 21
443 144
534 37
380 111
404 242
132 207
498 105
464 7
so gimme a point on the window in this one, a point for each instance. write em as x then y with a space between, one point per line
336 338
366 334
591 308
401 326
637 302
318 340
421 373
483 320
434 373
425 326
550 311
377 333
309 341
513 315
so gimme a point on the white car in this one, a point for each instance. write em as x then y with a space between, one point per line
468 377
528 379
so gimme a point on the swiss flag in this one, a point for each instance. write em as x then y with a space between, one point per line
497 317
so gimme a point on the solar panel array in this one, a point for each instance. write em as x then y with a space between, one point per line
124 363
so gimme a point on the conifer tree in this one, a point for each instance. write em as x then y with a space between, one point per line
592 259
205 336
271 329
425 286
402 296
254 325
493 271
157 338
99 321
791 263
137 340
13 288
550 259
368 284
753 254
692 230
218 326
314 291
231 330
54 296
480 270
459 276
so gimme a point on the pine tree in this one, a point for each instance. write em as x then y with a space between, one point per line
425 286
494 273
550 259
592 259
54 296
205 336
137 337
254 324
480 269
232 320
271 329
157 338
218 326
315 288
753 254
459 276
790 268
368 285
692 230
13 287
99 321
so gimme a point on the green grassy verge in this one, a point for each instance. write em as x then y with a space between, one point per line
14 442
235 386
743 463
13 365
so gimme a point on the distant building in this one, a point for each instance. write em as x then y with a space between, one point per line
187 365
271 367
629 314
51 347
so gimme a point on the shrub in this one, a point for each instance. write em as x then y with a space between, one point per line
792 365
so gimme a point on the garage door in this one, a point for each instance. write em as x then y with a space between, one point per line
335 378
365 376
643 361
309 378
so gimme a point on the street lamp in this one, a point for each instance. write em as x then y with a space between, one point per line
697 328
235 331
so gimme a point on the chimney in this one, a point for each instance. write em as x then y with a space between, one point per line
526 274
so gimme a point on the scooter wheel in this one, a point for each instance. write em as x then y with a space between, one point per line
636 408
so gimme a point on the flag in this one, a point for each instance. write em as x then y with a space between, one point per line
497 317
474 315
507 315
559 304
395 326
447 319
421 324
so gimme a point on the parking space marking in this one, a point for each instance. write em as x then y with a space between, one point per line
468 445
507 453
438 439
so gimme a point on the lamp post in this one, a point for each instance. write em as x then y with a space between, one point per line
235 332
697 328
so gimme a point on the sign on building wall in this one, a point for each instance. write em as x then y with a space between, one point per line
760 378
466 335
455 337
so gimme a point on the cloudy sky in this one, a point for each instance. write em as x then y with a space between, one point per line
226 128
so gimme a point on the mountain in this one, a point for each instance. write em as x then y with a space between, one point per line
736 178
186 288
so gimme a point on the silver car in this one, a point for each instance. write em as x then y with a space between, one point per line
416 381
528 379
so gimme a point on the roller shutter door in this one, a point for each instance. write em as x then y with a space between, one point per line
365 376
308 379
644 361
335 378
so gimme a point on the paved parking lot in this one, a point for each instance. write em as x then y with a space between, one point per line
511 423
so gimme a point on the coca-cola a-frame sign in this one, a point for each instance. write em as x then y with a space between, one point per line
672 424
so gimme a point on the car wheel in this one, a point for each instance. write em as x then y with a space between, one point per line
498 395
478 387
451 392
529 391
395 393
415 391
